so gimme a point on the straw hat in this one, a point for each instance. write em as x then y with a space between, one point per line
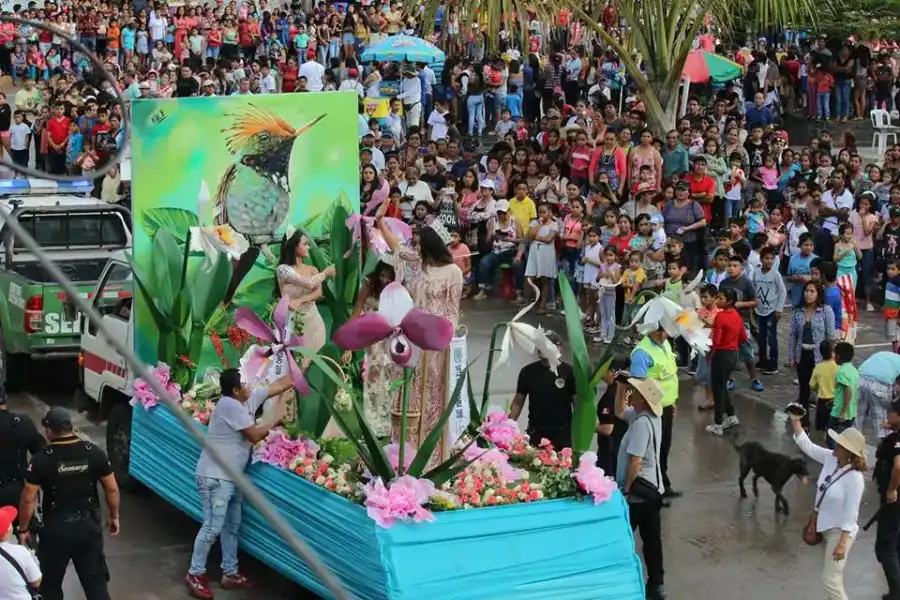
851 439
649 389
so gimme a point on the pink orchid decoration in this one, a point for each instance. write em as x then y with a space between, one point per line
402 500
257 358
592 479
499 429
144 394
377 242
398 319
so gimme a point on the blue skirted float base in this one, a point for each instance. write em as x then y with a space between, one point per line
559 549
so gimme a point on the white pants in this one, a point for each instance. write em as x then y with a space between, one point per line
833 570
413 115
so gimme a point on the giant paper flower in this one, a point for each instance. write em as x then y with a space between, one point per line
377 242
218 239
257 359
677 321
592 479
402 500
398 319
529 338
499 429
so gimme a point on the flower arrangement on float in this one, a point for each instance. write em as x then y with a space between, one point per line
492 464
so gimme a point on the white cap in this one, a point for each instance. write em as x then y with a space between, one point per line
487 183
502 205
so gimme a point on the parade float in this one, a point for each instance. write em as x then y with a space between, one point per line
498 518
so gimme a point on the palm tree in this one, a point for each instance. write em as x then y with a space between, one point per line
661 32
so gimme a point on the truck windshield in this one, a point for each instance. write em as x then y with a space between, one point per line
100 229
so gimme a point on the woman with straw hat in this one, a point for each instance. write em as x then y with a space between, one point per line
838 495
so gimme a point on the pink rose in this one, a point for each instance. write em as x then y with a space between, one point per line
592 479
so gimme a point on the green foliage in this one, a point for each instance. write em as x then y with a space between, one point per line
435 435
314 414
584 416
181 301
177 221
256 292
865 19
342 449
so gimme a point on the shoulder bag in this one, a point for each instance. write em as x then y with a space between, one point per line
810 534
642 489
35 595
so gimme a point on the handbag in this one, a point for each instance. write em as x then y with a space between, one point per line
810 534
35 595
641 488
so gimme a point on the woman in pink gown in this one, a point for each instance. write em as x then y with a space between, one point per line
181 31
435 284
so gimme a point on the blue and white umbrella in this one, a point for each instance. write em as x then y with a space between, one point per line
404 47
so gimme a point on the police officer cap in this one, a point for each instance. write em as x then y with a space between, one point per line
553 337
57 419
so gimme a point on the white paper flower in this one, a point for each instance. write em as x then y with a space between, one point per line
662 312
218 239
528 338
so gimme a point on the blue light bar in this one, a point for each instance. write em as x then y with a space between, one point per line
43 187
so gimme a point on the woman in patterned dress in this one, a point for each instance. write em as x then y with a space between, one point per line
381 371
302 284
435 284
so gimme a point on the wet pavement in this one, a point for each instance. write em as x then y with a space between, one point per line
716 545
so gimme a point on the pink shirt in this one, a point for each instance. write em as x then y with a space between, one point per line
863 241
769 177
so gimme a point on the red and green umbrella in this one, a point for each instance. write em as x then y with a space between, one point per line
702 66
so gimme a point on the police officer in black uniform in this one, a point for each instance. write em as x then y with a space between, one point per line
887 478
67 470
18 438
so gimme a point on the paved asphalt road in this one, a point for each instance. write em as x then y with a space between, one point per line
716 545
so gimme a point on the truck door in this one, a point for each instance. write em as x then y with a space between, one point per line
101 363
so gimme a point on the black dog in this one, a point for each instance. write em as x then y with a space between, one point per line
775 468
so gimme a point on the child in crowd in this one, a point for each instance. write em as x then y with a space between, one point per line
756 214
657 222
745 303
846 391
610 227
728 335
707 313
633 279
591 259
734 181
771 294
799 268
609 274
719 271
822 382
541 264
462 257
891 309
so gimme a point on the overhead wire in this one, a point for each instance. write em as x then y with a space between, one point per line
250 492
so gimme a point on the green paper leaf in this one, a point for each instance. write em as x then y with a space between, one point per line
208 289
584 415
255 294
314 409
434 436
144 286
376 467
177 221
450 467
167 270
605 360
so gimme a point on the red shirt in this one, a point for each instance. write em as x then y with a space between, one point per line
704 186
728 330
59 129
621 242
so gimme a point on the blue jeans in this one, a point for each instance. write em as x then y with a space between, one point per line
767 339
842 99
823 105
732 208
475 107
488 265
866 277
221 502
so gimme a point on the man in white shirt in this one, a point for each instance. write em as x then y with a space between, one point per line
836 205
352 83
12 584
428 80
411 97
313 72
395 121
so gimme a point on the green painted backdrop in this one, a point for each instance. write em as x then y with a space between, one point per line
179 151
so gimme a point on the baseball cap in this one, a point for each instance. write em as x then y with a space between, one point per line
57 419
502 205
144 85
487 183
657 218
644 186
8 514
352 72
682 185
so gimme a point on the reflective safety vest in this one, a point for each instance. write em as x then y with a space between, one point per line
664 369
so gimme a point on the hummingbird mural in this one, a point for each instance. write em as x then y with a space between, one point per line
254 194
